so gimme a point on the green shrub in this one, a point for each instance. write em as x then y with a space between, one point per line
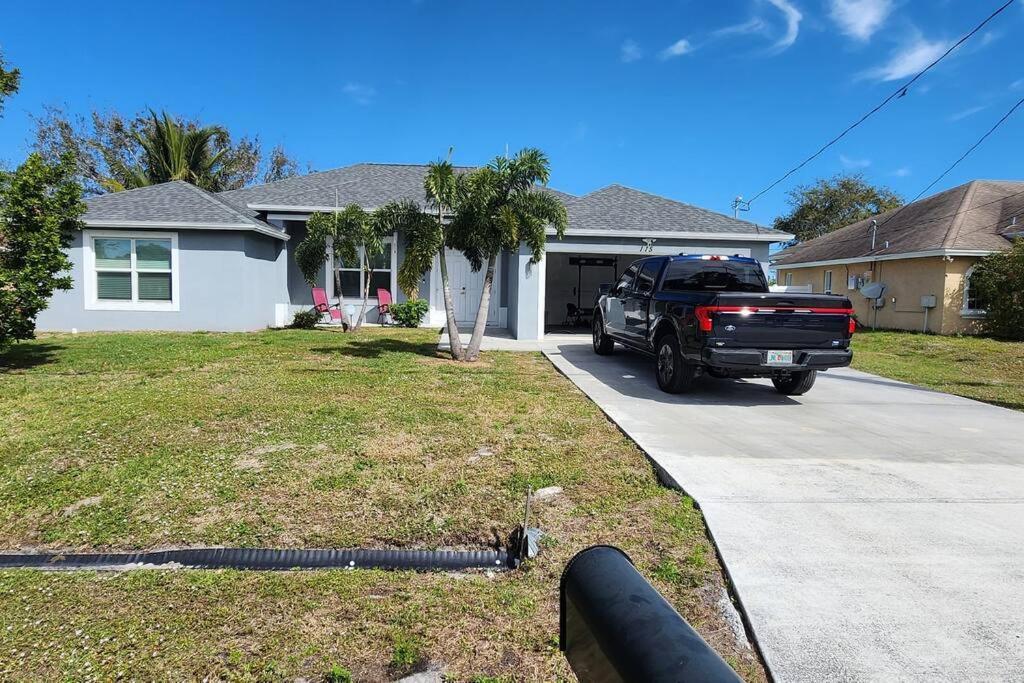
997 286
306 320
409 313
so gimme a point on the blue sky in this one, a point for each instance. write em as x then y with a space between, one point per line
695 100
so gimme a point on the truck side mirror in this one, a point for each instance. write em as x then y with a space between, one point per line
614 626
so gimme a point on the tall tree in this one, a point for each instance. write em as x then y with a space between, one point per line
349 235
40 208
280 166
500 206
108 150
832 203
426 238
172 151
10 80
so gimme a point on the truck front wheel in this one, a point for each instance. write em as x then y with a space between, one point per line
603 344
674 374
796 383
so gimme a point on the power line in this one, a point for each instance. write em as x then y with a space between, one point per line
972 148
899 92
942 175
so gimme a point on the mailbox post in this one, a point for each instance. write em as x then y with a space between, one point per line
614 626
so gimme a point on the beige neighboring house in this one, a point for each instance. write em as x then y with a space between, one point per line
927 249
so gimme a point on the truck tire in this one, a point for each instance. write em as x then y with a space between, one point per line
603 344
796 384
674 374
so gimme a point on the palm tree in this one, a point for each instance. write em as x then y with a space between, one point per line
499 207
172 150
347 235
426 238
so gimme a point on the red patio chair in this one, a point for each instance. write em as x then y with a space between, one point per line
384 307
320 304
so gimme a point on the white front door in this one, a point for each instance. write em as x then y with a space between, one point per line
467 287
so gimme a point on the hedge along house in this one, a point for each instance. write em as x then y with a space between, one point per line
175 257
924 254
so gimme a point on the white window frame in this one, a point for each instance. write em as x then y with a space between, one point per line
966 312
826 284
92 300
392 243
789 279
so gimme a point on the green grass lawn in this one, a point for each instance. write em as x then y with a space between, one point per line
975 367
313 439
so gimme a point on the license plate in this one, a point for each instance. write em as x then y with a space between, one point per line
779 358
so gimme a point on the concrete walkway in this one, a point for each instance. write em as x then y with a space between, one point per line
500 339
874 530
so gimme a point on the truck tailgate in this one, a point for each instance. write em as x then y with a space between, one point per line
780 321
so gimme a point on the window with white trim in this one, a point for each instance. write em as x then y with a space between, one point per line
827 284
789 279
974 304
353 277
135 271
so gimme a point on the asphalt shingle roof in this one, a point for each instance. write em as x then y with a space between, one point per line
976 216
622 208
173 202
368 185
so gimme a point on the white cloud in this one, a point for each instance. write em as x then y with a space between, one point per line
901 172
859 19
970 111
854 163
1017 85
359 92
676 49
793 17
907 61
753 26
630 52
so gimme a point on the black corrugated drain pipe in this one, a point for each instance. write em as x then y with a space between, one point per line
267 559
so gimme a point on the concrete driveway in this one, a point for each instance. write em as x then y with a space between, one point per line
873 530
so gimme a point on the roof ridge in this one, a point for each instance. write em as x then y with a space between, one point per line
962 207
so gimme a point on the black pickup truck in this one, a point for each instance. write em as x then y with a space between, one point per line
715 315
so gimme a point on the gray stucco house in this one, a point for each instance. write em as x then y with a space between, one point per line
175 257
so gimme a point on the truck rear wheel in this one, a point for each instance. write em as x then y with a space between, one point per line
796 383
603 344
674 374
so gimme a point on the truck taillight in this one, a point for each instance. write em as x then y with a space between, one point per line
703 315
853 325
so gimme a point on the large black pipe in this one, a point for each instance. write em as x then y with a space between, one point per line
614 626
267 558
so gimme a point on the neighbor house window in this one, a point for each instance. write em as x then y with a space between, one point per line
789 279
828 282
136 271
974 304
353 278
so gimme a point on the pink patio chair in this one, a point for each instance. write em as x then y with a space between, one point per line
384 307
320 304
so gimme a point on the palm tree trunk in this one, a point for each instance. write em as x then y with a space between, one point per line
367 276
345 324
473 352
454 341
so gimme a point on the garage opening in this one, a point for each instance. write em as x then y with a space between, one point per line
571 287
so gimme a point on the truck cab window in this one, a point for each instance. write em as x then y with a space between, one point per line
645 280
625 283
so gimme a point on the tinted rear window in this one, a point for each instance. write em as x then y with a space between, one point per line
729 276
